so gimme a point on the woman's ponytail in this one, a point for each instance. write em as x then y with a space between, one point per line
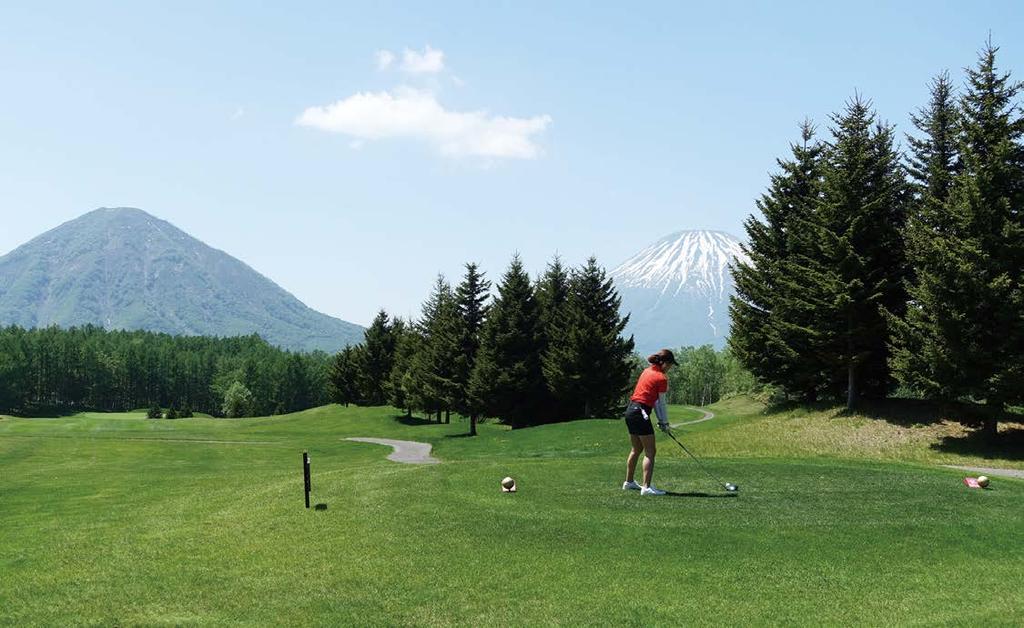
662 357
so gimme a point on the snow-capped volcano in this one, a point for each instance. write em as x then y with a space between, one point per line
677 290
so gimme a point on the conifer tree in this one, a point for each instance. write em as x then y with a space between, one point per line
858 267
405 349
771 332
471 311
552 291
507 382
587 366
342 376
433 387
376 358
969 296
933 165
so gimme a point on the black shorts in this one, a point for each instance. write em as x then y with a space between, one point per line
638 419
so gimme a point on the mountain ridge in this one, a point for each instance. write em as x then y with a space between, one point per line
122 268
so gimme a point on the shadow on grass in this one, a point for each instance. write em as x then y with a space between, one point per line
901 412
320 506
699 494
1008 446
462 435
413 420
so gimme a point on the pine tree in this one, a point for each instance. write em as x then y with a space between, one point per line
507 381
933 166
966 320
471 311
406 345
552 291
376 358
858 267
342 376
587 365
771 332
432 369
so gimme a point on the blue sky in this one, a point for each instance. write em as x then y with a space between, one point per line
352 152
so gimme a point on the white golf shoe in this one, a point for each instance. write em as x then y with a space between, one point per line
630 486
650 490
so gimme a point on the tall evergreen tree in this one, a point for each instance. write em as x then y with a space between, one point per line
406 345
432 370
966 320
933 166
587 367
552 291
859 267
507 381
342 376
471 311
771 331
376 358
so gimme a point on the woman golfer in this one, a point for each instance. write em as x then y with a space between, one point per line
649 395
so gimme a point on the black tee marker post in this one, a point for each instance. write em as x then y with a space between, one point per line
305 474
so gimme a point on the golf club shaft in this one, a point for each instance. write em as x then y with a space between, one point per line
697 460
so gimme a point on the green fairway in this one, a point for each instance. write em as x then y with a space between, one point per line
113 519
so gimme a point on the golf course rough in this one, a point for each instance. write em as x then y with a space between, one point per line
100 527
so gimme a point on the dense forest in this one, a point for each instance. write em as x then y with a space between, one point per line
873 270
63 370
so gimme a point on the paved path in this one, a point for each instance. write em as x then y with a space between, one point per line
707 417
1007 473
407 451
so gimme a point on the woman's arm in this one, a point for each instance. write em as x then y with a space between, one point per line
661 409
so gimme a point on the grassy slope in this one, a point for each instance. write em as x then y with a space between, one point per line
115 519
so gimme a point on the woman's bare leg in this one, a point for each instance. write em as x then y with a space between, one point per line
649 450
634 455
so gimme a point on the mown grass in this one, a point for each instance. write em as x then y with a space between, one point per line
119 520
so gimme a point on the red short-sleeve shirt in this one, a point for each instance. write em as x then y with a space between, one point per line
652 382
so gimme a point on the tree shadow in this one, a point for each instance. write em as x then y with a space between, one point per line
462 435
1009 445
699 494
413 420
902 411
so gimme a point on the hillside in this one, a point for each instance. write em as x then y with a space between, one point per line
121 268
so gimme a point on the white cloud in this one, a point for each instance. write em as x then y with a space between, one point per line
429 61
384 59
416 114
239 112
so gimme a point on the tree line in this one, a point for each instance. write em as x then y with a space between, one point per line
872 269
89 368
703 376
537 352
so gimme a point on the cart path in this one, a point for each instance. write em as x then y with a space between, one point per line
1006 473
708 415
407 451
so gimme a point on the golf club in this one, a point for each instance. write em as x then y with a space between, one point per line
728 486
